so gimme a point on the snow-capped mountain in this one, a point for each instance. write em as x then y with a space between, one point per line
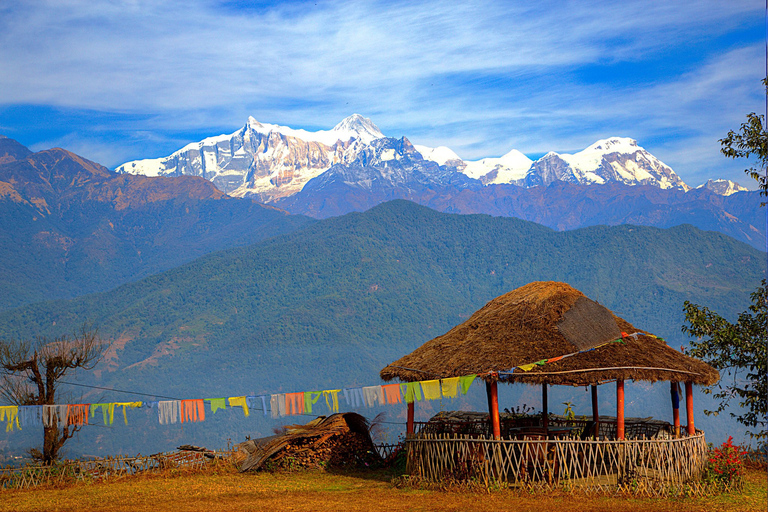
510 168
441 155
386 169
617 159
723 187
264 160
270 162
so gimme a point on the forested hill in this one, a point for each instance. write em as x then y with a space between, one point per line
71 226
332 303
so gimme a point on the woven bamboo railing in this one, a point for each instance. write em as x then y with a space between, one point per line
645 466
99 469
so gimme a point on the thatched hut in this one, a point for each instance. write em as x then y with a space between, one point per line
549 333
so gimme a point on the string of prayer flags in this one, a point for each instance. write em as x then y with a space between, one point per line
412 391
310 399
77 414
392 394
354 397
252 403
294 403
30 416
431 389
374 395
10 413
239 401
104 411
275 406
466 381
450 387
124 405
192 411
168 411
332 399
217 403
54 414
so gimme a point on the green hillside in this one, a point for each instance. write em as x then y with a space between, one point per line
71 227
332 303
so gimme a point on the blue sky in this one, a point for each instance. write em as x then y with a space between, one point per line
121 80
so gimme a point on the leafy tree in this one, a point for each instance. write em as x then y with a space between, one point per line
750 141
740 349
32 371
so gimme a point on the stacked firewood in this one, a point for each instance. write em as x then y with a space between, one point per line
340 440
350 449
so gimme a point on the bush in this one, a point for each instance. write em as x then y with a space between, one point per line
725 469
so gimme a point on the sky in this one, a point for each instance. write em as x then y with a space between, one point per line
121 80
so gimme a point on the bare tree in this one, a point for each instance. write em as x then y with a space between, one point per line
32 370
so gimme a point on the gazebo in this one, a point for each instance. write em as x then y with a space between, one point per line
548 333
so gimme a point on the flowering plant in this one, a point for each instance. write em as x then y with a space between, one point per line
724 466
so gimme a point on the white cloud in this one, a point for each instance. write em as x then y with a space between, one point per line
481 77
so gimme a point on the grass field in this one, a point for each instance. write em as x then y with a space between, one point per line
227 490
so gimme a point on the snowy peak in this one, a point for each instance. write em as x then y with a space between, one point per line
264 160
441 155
723 187
357 126
510 168
352 127
616 159
614 144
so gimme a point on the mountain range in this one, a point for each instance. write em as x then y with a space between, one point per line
71 226
354 167
272 161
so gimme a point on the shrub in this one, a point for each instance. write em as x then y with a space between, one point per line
724 467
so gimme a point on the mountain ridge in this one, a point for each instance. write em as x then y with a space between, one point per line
377 284
607 160
71 226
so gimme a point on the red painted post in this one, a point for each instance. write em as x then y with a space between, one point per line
494 412
409 424
620 409
675 408
689 407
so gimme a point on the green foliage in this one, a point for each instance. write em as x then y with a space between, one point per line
740 350
750 141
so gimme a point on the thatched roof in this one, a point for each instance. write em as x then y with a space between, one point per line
544 320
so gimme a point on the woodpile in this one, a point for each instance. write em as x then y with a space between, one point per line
337 441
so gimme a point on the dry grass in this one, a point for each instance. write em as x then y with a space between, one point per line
226 490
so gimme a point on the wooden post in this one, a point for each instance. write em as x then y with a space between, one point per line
620 409
544 409
493 408
675 408
409 423
689 407
595 413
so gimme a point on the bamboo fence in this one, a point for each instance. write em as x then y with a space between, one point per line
100 469
653 467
